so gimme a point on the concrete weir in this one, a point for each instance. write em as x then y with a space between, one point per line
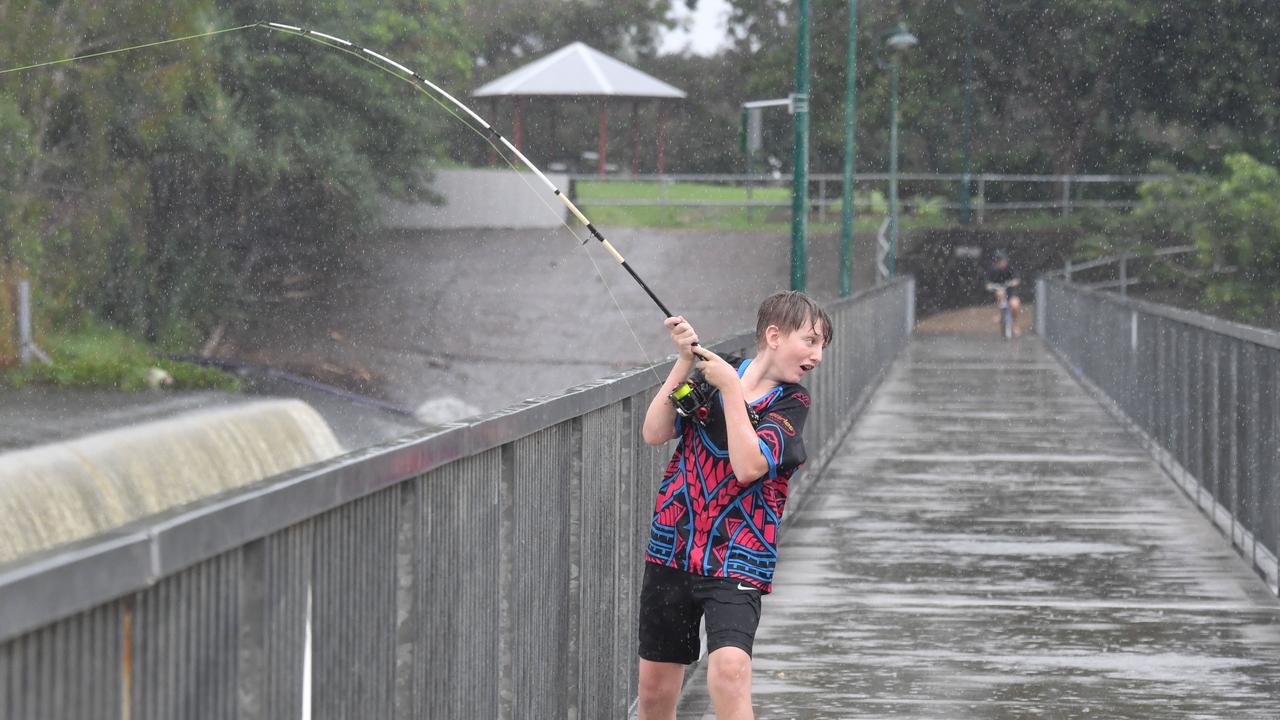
57 493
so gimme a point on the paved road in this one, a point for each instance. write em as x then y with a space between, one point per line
989 543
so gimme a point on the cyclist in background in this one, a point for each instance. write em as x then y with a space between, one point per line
1001 277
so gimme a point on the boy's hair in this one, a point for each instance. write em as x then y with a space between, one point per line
792 311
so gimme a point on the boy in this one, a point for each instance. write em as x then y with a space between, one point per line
713 543
1002 278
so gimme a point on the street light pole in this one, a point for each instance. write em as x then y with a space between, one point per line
897 39
800 163
850 124
892 256
966 202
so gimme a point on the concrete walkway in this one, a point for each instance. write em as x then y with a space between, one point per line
990 543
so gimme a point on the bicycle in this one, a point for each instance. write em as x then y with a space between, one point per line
1002 302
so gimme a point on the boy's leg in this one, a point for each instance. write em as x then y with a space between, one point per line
729 683
669 640
660 684
732 612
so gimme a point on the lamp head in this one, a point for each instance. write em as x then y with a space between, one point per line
899 39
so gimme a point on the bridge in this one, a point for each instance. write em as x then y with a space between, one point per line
1081 523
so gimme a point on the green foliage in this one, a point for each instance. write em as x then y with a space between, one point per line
872 207
161 190
1064 86
1234 222
928 206
103 358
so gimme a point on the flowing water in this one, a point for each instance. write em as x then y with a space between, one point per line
57 493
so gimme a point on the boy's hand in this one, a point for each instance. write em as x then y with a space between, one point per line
682 335
714 368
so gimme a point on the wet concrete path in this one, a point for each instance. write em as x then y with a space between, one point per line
990 543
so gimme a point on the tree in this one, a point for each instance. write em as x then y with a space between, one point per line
1061 85
181 180
1234 222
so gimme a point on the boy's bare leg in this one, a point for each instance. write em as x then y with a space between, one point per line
729 683
659 689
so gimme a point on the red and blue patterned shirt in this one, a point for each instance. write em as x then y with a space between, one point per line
705 521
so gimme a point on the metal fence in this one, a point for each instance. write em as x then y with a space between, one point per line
1203 393
491 570
990 192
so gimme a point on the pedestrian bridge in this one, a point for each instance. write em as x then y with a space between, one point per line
1081 523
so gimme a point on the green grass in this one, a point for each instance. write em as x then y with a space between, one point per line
772 219
103 358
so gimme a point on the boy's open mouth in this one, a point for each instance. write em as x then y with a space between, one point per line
807 367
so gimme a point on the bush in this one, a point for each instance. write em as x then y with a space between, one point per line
109 359
1234 223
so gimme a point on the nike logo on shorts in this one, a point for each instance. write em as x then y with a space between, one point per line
745 587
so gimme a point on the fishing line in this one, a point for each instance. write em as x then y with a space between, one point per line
127 49
489 134
341 45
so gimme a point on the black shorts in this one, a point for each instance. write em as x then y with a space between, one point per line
672 602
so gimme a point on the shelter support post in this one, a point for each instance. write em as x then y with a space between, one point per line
493 149
604 138
635 137
662 137
519 130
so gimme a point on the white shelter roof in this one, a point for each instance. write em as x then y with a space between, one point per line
578 69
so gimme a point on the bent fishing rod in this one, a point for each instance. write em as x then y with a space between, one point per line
401 71
690 398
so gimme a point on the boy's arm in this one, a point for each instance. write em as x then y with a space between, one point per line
745 457
660 419
748 462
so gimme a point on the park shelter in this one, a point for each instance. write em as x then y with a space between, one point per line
578 70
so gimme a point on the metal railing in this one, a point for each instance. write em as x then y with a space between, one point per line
1064 194
1203 393
490 570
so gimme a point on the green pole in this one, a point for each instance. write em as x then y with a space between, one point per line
966 202
799 174
892 255
850 124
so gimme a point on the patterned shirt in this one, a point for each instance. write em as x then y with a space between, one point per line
705 521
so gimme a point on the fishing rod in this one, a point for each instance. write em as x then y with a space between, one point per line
399 70
690 398
386 62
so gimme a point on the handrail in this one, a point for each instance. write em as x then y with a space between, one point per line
1072 266
41 588
1249 333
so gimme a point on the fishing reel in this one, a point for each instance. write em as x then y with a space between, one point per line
692 398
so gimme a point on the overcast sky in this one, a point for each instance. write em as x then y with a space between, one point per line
706 28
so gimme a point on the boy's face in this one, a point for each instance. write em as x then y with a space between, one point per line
798 352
